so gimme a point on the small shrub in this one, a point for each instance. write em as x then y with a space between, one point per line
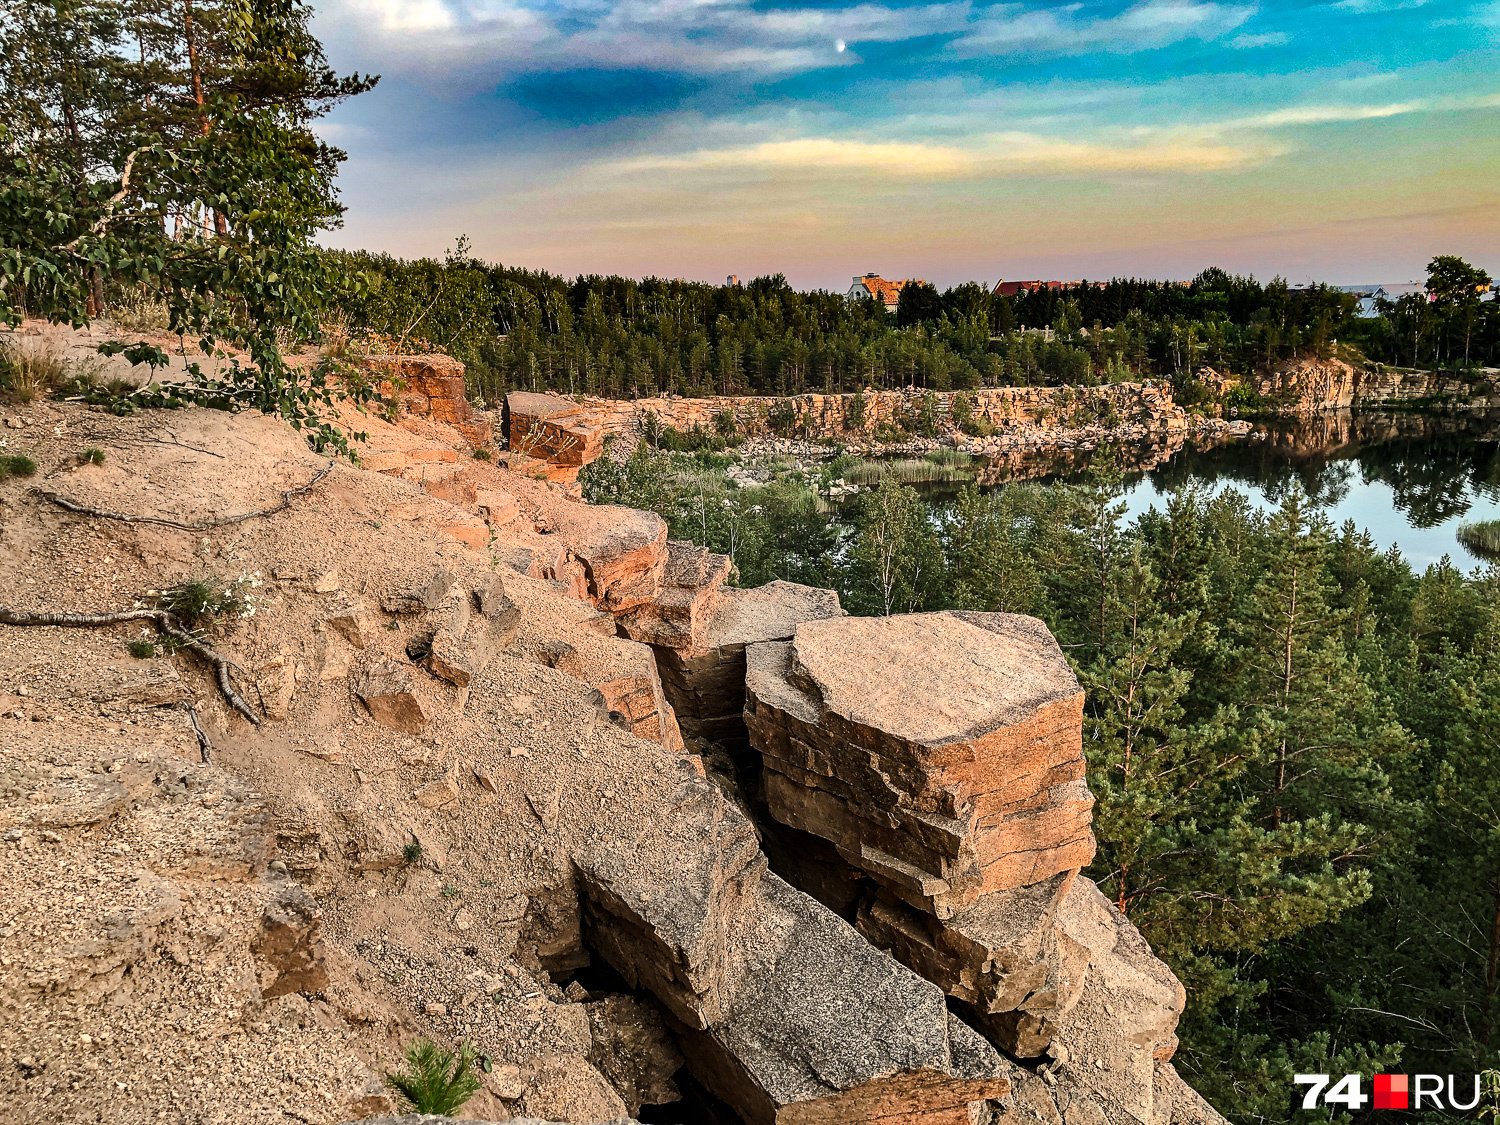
201 599
725 424
16 465
854 415
781 419
450 891
961 410
483 454
651 428
93 455
412 852
141 648
434 1080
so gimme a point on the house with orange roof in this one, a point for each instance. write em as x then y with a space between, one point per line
888 293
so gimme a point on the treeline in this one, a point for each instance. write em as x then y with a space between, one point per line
1291 735
621 337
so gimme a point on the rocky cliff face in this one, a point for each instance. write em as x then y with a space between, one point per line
563 434
1315 386
466 797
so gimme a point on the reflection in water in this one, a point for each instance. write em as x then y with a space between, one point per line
1410 479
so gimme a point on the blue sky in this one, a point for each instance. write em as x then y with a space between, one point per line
953 140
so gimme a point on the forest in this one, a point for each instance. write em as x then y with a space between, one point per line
623 338
1293 737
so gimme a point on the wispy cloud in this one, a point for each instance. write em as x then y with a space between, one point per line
996 155
452 39
1014 29
1264 39
1335 114
1379 5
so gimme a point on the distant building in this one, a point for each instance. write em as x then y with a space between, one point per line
888 293
1368 297
732 280
1018 288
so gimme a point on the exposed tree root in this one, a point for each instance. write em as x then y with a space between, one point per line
205 747
197 525
164 622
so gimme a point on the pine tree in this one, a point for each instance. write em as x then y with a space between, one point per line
196 173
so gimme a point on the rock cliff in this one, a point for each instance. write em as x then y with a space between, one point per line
444 775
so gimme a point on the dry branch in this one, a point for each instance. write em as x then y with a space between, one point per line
164 622
198 525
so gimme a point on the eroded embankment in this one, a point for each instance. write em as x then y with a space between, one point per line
475 805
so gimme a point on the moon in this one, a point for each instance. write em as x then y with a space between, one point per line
840 46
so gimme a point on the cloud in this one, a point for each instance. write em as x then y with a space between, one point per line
472 40
1011 29
1363 6
1265 39
997 155
1335 114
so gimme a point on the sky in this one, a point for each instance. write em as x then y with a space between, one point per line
1345 141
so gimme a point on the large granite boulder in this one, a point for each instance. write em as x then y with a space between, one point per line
786 1012
1113 1038
941 753
623 552
689 592
1005 958
705 680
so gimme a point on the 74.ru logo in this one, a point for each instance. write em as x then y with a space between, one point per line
1392 1091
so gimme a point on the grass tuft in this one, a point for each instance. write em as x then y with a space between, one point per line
93 455
435 1080
16 465
33 370
200 599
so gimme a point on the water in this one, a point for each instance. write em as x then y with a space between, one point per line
1408 479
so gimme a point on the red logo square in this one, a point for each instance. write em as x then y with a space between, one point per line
1391 1092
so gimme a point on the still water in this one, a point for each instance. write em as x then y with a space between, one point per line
1408 479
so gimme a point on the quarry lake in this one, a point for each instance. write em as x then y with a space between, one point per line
1409 479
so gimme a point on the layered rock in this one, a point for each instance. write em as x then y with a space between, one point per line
941 756
554 429
1112 1042
787 1014
582 642
940 753
706 680
430 387
1147 406
623 552
687 593
1006 958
